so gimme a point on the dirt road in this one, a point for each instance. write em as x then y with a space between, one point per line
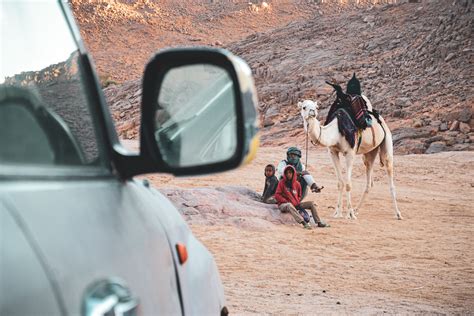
375 264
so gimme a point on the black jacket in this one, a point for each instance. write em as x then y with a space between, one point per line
270 187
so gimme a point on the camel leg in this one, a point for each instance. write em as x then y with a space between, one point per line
368 159
349 163
340 182
386 158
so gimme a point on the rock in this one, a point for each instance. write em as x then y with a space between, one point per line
443 127
454 126
461 147
218 43
339 78
449 140
404 102
417 123
436 123
436 147
465 115
397 113
433 139
461 138
272 110
369 19
452 133
416 147
269 121
450 57
410 133
189 211
233 205
464 127
324 90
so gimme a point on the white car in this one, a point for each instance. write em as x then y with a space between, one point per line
78 234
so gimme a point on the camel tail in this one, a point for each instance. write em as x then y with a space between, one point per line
382 155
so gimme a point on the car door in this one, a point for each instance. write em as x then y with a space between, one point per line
95 230
25 288
85 226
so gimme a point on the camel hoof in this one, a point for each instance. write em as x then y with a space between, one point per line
337 214
351 215
399 217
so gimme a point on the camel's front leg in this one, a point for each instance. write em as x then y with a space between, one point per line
349 163
368 159
340 182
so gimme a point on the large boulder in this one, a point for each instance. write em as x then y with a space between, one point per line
436 147
229 205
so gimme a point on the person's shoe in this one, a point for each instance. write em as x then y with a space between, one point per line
315 188
306 225
323 224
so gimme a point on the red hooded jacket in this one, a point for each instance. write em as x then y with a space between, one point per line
285 195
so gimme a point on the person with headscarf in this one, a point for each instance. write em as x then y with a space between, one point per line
293 158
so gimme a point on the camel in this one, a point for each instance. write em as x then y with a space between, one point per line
374 140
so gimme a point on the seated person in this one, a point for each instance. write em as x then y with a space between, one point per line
288 197
293 156
271 183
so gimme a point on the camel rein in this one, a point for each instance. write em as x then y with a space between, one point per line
306 163
318 140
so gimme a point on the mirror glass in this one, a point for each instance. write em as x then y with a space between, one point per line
195 118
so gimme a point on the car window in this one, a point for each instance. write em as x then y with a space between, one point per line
45 117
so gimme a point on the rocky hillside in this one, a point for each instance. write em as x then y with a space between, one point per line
123 34
415 62
60 89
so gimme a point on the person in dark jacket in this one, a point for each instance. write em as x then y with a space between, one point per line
288 197
271 183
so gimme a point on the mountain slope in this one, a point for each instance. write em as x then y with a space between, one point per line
415 62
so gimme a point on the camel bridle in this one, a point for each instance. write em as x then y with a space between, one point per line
312 114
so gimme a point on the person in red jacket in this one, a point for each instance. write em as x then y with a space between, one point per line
288 197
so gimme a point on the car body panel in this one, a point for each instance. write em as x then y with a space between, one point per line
199 274
25 287
91 230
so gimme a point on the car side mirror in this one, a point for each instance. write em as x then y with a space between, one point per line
198 111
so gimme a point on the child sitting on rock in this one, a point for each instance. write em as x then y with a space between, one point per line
288 196
271 183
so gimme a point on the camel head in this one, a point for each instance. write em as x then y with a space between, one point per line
308 109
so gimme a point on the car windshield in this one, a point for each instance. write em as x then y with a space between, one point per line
45 111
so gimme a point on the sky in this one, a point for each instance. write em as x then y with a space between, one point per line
33 35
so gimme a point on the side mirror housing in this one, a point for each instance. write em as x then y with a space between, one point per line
199 112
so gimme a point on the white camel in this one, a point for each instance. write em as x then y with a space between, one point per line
374 140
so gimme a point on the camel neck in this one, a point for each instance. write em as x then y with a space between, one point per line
319 134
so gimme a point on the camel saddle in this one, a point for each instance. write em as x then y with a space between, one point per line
355 105
360 111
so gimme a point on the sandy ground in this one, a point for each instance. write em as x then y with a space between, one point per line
372 265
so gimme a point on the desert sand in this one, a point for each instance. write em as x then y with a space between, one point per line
376 264
373 265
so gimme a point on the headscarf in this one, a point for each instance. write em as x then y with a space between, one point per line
295 162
